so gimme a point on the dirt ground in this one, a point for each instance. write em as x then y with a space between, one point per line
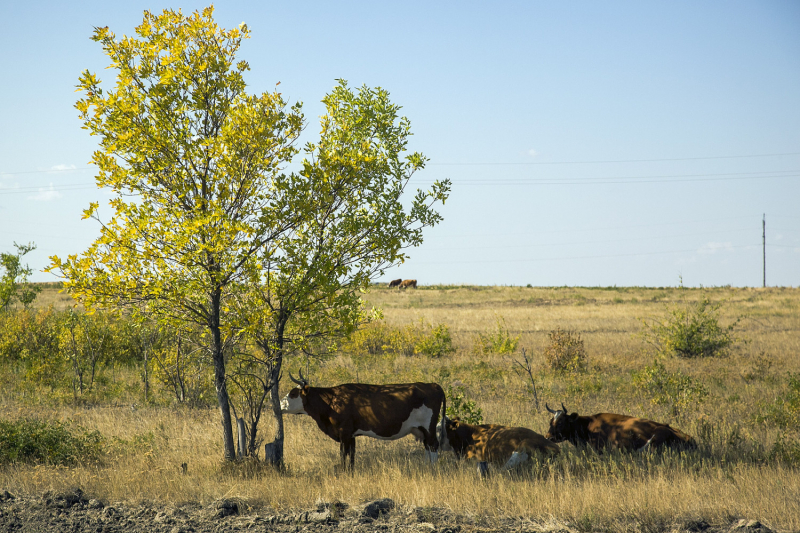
75 512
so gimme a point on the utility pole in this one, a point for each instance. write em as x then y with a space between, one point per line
764 247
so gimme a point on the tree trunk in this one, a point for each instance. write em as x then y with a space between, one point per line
274 450
220 383
146 380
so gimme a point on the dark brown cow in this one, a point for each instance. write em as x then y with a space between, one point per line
502 445
395 282
614 431
408 283
386 412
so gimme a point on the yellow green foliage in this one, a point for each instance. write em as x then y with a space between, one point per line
498 341
691 330
566 351
674 389
416 338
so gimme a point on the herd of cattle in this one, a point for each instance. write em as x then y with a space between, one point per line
403 283
390 412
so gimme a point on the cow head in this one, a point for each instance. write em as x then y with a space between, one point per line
561 424
455 437
293 403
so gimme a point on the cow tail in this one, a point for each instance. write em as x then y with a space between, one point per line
443 421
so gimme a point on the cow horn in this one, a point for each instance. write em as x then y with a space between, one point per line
303 378
563 408
549 410
298 381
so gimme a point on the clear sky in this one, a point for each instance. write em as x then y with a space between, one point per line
589 143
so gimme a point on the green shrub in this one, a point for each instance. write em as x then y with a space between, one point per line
14 278
378 338
566 352
759 369
691 330
784 411
372 339
498 341
436 343
673 389
459 405
786 449
41 442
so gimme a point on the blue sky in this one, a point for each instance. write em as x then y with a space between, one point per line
589 143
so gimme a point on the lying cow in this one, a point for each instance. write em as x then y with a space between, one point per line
408 283
386 412
492 443
395 282
615 431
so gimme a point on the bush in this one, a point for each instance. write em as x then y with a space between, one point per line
14 278
691 330
784 411
566 352
459 405
436 343
674 389
786 449
54 443
378 338
497 342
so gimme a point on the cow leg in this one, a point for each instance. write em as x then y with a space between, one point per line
662 437
431 444
647 445
516 459
348 447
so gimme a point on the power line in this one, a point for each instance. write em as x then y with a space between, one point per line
619 160
606 228
60 188
45 171
649 237
510 164
731 176
635 180
694 250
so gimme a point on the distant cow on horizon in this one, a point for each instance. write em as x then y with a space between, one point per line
408 283
395 282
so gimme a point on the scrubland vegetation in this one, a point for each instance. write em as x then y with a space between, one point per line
74 419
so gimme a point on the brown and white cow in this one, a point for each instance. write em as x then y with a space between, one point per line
408 283
395 282
386 412
492 443
609 430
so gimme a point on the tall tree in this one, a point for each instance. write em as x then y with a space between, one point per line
352 185
195 165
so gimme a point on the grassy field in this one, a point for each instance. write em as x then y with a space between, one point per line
744 467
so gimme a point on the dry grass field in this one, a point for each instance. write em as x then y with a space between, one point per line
735 473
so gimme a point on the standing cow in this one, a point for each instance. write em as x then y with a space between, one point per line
386 412
615 431
408 284
395 282
492 443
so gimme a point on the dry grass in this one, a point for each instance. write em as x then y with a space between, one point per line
727 478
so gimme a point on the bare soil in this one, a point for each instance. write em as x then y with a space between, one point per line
75 512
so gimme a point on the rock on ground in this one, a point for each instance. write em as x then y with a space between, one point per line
76 512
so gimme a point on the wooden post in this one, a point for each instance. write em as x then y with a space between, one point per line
272 454
764 248
242 438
